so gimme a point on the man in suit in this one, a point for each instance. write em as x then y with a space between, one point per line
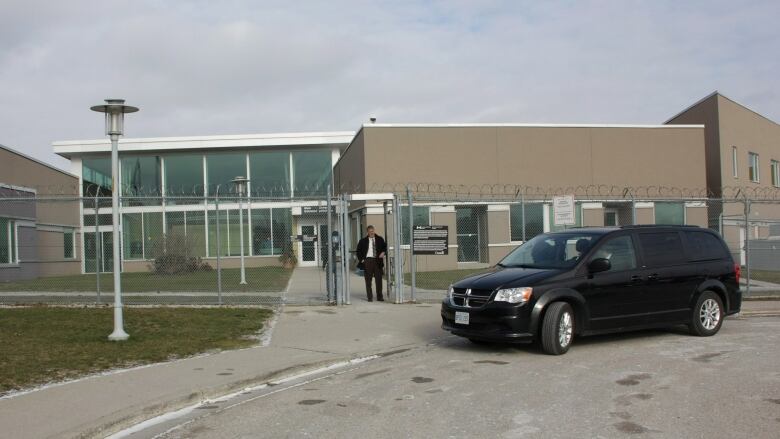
370 252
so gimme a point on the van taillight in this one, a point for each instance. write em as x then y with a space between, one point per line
737 271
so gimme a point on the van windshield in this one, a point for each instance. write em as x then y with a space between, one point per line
554 250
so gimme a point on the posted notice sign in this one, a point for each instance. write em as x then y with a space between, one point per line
563 211
430 240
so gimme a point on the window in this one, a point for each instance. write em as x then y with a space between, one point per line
669 213
775 173
753 170
705 246
619 251
142 235
190 228
68 244
734 167
534 221
311 173
422 217
551 251
96 177
183 177
221 169
270 174
141 177
229 233
7 241
262 234
664 248
104 219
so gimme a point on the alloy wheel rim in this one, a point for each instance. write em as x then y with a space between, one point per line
709 314
565 329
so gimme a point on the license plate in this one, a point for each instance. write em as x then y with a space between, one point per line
461 318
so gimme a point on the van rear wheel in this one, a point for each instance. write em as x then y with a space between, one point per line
558 328
707 315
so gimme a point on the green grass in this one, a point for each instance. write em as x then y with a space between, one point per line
43 344
259 279
440 280
764 275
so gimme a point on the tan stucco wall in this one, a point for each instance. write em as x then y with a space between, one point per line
696 216
706 112
645 215
593 217
477 156
749 132
349 173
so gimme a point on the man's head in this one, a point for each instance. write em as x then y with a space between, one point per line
370 231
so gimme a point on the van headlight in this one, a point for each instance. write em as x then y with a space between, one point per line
514 295
450 292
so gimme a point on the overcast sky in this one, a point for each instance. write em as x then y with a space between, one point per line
240 67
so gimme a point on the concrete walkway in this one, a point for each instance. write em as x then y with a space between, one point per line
304 338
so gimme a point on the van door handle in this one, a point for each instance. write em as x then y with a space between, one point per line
636 279
653 276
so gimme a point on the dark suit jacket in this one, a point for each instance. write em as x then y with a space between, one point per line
362 247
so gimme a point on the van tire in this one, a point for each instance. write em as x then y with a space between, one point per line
557 328
707 315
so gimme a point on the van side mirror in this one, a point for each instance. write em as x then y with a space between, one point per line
598 265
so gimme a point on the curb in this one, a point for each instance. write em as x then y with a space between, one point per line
131 416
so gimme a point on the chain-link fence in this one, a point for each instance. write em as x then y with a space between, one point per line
172 250
226 249
483 228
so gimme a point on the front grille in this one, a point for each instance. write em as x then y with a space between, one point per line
470 298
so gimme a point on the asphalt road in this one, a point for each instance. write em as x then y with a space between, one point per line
645 384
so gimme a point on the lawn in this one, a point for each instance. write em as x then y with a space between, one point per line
259 279
440 280
42 344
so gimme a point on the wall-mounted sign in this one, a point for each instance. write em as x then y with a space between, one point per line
563 211
316 209
430 240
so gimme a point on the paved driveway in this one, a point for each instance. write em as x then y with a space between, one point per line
646 384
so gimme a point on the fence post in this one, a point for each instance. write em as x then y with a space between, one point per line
331 249
219 249
522 214
747 246
412 260
346 245
399 273
97 248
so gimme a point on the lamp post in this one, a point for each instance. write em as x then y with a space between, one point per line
115 110
240 183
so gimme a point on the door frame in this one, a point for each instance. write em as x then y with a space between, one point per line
316 224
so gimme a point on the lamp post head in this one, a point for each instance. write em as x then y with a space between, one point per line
115 110
240 183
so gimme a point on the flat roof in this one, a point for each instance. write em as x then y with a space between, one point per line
70 148
520 125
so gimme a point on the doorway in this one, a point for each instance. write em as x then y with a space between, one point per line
313 244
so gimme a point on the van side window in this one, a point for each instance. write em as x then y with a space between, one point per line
705 246
619 251
663 248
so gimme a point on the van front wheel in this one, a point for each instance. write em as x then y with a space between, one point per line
558 328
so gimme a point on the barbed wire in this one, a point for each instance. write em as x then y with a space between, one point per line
419 189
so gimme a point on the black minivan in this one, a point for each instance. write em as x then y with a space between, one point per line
596 280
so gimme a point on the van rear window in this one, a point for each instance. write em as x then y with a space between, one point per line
662 248
705 246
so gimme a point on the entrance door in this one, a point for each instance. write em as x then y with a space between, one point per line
313 248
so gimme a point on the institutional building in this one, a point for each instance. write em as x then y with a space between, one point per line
37 238
716 143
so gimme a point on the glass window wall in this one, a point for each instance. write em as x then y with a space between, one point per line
183 178
270 174
141 177
96 176
311 173
221 169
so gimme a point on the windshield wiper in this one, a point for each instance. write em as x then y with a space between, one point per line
520 266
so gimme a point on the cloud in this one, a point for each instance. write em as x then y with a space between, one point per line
199 67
